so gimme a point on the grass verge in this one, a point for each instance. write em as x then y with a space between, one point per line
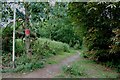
84 68
27 64
56 59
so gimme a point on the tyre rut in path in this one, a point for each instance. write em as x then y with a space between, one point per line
49 71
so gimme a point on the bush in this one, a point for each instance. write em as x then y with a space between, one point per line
45 47
6 59
67 34
19 46
102 35
42 48
23 64
73 70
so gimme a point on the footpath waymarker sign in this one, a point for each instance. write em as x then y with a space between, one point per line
27 32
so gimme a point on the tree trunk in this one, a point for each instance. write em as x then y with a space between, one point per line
27 25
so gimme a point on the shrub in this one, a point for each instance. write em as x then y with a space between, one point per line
67 35
6 59
23 64
102 35
19 46
45 47
42 48
7 39
73 70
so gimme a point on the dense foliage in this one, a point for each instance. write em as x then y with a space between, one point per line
102 29
54 23
42 49
45 21
93 25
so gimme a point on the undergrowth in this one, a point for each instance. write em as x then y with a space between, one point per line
74 70
41 50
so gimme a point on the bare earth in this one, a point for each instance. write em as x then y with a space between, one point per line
49 71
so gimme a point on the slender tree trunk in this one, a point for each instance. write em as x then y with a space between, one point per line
27 26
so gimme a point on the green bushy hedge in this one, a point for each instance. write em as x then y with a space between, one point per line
46 47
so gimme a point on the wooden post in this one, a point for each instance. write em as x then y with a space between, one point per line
27 41
27 25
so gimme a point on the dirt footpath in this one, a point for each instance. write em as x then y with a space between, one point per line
49 71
